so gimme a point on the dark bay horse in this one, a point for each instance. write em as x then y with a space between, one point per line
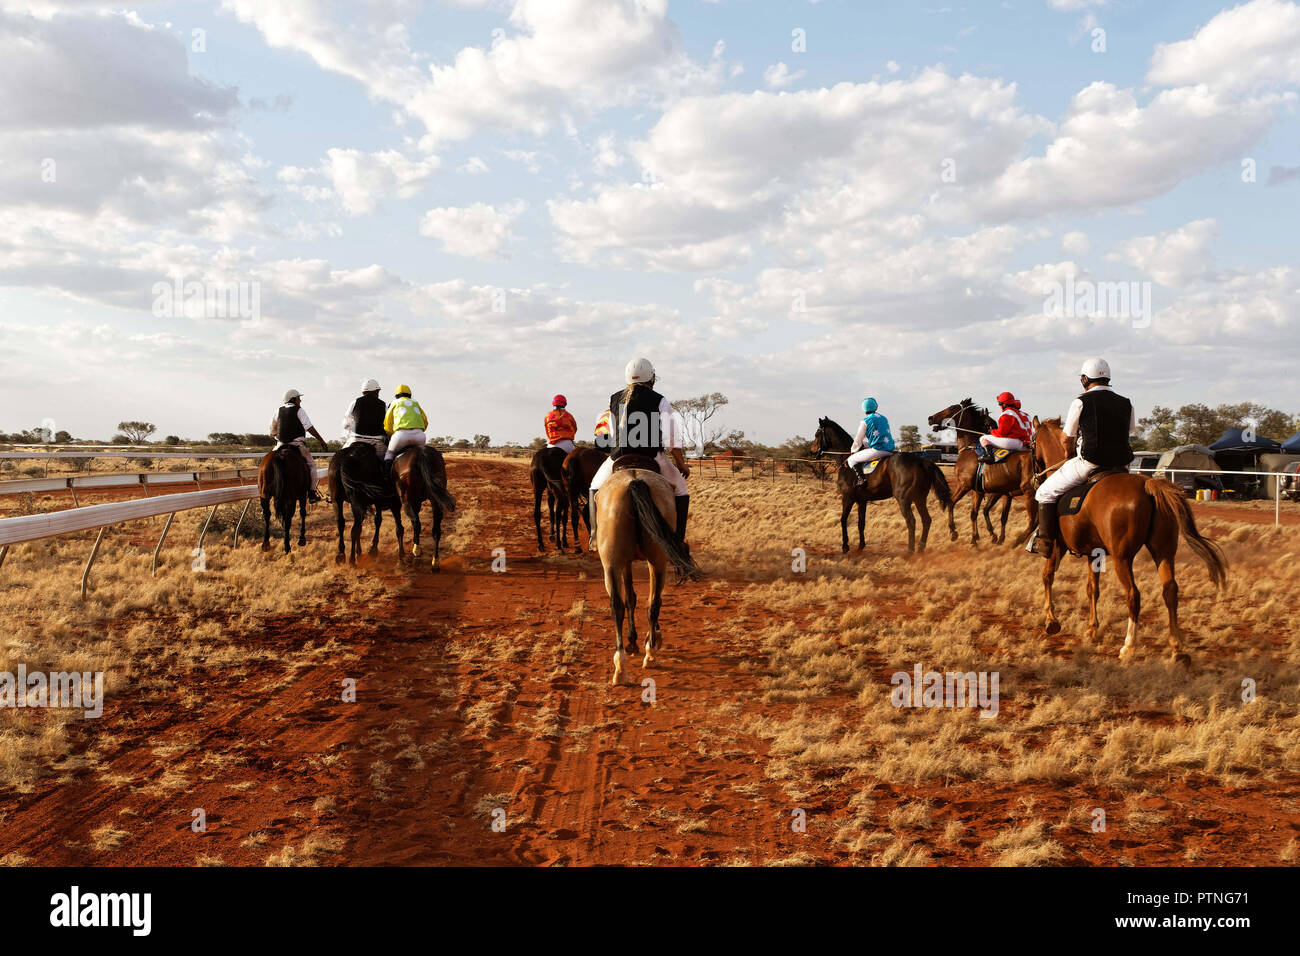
282 478
546 472
636 519
356 475
1122 514
1014 475
421 475
579 469
904 476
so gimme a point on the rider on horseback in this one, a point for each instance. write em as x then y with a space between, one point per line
1102 421
561 427
645 424
290 426
365 419
1012 431
872 441
405 423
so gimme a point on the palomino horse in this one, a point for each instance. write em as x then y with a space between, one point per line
1122 513
282 478
355 475
546 471
636 519
1014 475
579 469
420 474
906 477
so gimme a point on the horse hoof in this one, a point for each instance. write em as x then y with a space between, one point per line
266 547
436 567
339 559
1053 627
1182 659
373 551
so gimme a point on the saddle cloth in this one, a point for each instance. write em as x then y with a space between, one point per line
645 462
1070 502
1001 454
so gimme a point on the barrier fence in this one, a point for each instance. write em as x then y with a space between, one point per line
36 527
144 479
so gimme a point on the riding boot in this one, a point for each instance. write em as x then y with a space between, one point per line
683 509
1044 540
313 496
388 470
591 521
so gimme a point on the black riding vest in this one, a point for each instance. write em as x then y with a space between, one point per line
639 430
370 411
1103 429
290 427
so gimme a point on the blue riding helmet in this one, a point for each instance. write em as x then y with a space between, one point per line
869 405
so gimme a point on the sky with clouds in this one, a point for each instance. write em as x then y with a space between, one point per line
795 203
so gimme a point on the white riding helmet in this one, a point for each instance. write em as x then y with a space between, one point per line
370 385
1095 368
290 395
639 370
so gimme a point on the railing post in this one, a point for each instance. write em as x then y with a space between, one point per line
94 552
204 532
235 543
4 550
153 570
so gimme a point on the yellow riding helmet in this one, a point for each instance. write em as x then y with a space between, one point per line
403 390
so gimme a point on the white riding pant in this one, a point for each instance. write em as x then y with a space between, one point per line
1075 471
402 439
867 454
666 468
1013 444
565 443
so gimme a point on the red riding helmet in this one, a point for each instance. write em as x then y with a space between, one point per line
559 400
1006 398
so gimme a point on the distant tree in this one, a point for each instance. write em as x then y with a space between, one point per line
735 441
482 441
172 440
62 437
254 440
536 443
461 443
137 433
909 438
1158 428
223 438
441 441
120 440
696 414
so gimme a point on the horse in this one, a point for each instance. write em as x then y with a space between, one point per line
905 476
1014 475
282 478
1120 515
356 475
636 519
546 472
579 469
420 475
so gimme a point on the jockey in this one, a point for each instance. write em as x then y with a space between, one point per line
1101 420
602 430
1012 432
365 419
560 425
645 424
290 426
405 424
873 439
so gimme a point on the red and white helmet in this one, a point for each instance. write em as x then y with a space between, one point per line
559 400
1006 398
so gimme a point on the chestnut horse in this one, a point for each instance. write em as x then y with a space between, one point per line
420 474
636 518
546 472
356 476
282 478
579 469
1121 514
1014 475
904 476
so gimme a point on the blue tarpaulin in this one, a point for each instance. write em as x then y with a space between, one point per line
1235 440
1292 445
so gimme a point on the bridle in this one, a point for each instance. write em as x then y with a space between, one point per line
967 406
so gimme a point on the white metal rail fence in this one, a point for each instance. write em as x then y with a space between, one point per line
142 479
26 528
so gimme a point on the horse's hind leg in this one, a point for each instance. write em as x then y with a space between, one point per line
302 522
266 524
655 640
988 518
1169 588
976 499
1094 590
862 525
401 535
616 611
846 505
537 516
1006 513
379 520
629 590
905 508
925 521
437 534
952 513
338 517
413 512
1124 571
1049 574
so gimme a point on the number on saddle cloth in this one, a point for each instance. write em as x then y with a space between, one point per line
1001 454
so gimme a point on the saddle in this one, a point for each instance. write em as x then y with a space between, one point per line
869 467
999 456
1070 502
633 460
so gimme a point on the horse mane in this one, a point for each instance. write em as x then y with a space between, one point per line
840 431
1050 421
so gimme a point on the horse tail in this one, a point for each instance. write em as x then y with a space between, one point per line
1169 501
938 482
357 487
652 522
278 486
428 460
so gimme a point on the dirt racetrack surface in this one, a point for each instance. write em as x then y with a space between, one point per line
485 730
